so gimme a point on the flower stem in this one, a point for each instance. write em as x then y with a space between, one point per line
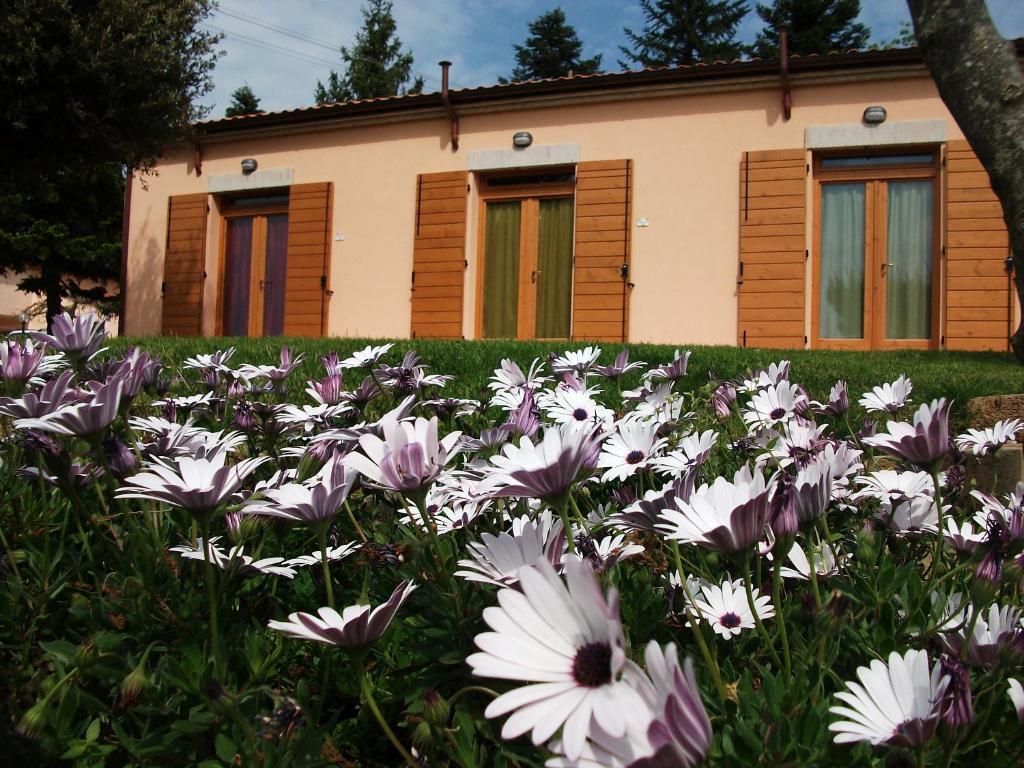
563 513
326 565
698 633
937 549
367 693
355 523
211 594
753 611
780 621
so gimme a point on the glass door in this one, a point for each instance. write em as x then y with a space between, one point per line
253 278
875 253
527 268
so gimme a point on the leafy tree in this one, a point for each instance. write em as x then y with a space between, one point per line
243 102
92 88
979 78
680 32
813 26
375 65
553 49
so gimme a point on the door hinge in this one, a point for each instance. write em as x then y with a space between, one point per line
414 277
323 282
807 254
624 270
741 269
465 263
744 338
163 288
808 167
805 340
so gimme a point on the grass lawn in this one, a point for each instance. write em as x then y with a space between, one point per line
956 375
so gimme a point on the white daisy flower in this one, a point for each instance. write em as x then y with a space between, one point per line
497 559
334 554
774 405
888 397
997 635
775 373
727 609
828 561
912 517
567 641
895 703
215 361
891 485
186 402
796 441
509 376
311 416
962 536
365 357
570 406
578 361
235 560
630 447
692 451
982 441
724 516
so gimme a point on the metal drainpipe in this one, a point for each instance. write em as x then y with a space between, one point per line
787 93
453 116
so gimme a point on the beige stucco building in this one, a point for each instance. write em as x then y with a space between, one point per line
757 203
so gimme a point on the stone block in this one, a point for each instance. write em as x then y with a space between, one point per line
985 411
998 472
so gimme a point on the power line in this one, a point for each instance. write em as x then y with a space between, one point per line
301 36
273 47
279 29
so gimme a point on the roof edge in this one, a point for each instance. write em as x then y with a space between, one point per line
571 85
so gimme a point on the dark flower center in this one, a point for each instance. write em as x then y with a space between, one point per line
579 414
729 620
592 666
778 413
634 457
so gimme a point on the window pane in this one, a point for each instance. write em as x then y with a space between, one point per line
501 270
876 160
554 269
842 262
237 268
908 305
274 274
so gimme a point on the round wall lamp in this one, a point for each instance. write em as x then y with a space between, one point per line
875 115
249 165
522 139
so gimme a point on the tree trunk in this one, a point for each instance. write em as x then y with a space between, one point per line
979 78
53 299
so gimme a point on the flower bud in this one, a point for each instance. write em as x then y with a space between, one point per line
436 709
33 721
867 544
956 708
134 682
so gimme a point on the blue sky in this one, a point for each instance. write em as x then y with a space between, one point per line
282 47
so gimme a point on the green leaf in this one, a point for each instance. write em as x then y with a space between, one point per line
93 731
225 748
61 650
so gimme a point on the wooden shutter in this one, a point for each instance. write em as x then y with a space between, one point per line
184 266
771 286
600 290
439 255
308 263
978 288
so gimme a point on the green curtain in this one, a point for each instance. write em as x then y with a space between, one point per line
501 270
554 267
909 277
842 261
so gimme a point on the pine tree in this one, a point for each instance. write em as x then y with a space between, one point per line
243 102
812 26
375 65
680 32
553 49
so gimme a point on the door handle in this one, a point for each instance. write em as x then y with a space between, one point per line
533 276
886 265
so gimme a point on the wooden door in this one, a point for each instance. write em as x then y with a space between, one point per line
526 286
253 274
876 252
